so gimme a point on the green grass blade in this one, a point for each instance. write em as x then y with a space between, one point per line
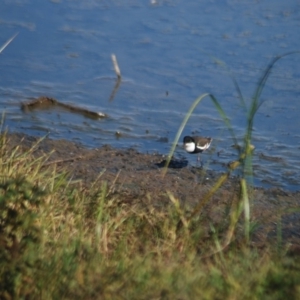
237 87
261 83
209 194
245 199
224 117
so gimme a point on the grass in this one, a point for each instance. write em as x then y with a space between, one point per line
63 241
60 240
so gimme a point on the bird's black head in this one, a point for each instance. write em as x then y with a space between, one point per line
188 139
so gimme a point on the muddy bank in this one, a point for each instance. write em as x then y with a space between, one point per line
138 177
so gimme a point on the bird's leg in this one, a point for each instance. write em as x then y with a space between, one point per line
199 160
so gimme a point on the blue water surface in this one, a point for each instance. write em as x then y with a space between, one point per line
169 53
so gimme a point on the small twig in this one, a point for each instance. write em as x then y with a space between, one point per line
116 66
8 42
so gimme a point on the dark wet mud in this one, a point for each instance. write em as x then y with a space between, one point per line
138 177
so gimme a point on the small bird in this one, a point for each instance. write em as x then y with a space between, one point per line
196 144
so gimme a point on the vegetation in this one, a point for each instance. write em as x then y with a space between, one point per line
60 240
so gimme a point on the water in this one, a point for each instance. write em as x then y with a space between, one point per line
168 52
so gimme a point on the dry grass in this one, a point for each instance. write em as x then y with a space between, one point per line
61 241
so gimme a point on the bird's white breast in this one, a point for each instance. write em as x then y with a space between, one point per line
189 147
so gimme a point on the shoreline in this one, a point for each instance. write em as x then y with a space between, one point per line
60 154
136 177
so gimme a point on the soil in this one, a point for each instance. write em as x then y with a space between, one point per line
138 177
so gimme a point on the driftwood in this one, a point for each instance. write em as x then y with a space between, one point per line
48 103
